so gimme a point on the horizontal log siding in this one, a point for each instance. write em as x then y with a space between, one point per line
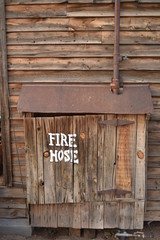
13 203
17 2
72 41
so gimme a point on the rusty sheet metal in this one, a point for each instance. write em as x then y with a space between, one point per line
62 99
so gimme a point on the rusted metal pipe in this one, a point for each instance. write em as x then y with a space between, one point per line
123 235
115 85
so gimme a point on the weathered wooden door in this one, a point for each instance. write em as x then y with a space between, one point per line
116 156
96 162
62 172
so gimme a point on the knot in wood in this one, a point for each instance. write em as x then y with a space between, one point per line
82 135
140 154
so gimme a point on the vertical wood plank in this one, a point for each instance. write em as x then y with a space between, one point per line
79 127
106 162
65 215
140 158
85 215
109 154
31 160
48 215
67 167
5 116
64 169
43 215
58 165
91 158
111 214
35 215
139 214
77 221
39 131
100 183
96 215
49 167
125 163
126 215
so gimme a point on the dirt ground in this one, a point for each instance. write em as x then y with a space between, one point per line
150 231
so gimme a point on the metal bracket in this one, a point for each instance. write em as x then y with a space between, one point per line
114 191
116 122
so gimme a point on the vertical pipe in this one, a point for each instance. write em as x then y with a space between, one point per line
116 58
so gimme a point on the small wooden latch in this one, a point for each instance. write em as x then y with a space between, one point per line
116 122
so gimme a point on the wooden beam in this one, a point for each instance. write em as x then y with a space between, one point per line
5 101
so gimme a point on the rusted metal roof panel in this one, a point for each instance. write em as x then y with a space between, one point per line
49 98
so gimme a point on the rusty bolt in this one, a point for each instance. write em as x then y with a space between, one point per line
46 154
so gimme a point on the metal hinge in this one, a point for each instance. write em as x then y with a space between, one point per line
114 191
116 122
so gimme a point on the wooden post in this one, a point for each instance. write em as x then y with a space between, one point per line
7 167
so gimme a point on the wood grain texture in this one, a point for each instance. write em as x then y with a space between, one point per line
100 10
125 162
32 38
59 41
79 128
67 168
107 137
17 2
126 220
12 193
13 213
79 50
140 186
82 37
85 64
39 76
93 215
11 203
44 215
76 10
91 158
40 163
23 11
65 215
5 129
96 215
111 214
74 187
152 216
48 170
31 160
82 24
139 214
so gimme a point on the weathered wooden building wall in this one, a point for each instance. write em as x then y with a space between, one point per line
57 41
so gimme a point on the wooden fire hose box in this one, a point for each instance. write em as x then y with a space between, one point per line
86 158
